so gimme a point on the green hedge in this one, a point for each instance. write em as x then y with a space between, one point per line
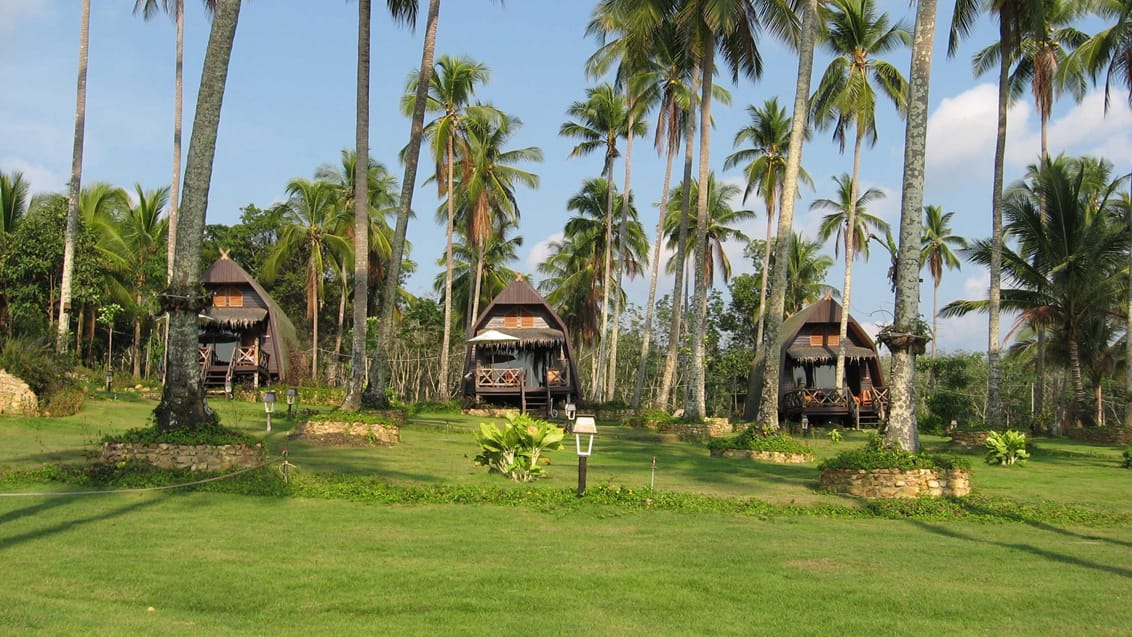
878 455
749 440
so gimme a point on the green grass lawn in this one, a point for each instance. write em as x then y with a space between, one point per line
222 564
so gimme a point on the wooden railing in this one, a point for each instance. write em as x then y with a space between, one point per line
206 359
499 377
875 398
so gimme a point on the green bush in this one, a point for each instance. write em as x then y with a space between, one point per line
1127 457
754 440
1006 447
34 361
515 450
212 434
878 455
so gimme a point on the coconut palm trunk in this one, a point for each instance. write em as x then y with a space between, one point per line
767 416
178 100
183 405
356 383
850 245
902 427
696 407
72 229
650 310
675 325
374 395
611 388
771 203
450 230
606 283
994 292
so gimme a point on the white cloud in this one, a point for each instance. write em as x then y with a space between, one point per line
40 178
961 133
975 287
541 251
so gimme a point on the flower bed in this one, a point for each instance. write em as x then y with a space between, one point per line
192 457
896 483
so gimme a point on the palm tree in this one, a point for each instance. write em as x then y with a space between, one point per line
313 223
764 163
767 414
723 222
599 122
183 405
176 10
13 200
668 79
486 205
846 99
1069 258
72 230
135 244
732 26
805 269
499 251
1013 18
938 251
453 85
374 395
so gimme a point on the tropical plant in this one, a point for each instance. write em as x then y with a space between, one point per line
1006 447
723 223
764 166
72 231
515 450
1127 455
937 250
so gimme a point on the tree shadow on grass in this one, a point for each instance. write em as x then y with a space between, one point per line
977 509
7 542
1028 548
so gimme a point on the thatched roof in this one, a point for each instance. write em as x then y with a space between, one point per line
236 316
530 337
804 354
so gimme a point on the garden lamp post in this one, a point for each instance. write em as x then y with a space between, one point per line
571 411
109 381
292 395
228 388
584 427
269 406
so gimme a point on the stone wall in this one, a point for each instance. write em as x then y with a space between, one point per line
1102 435
969 439
777 457
346 433
192 457
16 398
896 483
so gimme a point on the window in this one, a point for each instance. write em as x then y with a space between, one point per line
833 340
228 297
815 340
519 318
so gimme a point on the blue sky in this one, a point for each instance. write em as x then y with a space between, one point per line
290 108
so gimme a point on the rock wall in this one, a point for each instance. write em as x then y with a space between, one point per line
969 439
1102 435
777 457
192 457
16 398
896 483
346 433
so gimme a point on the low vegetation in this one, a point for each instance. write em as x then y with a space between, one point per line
876 454
753 439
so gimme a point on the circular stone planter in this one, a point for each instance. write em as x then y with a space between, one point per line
777 457
896 483
192 457
348 434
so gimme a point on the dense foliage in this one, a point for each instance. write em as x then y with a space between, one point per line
754 440
877 455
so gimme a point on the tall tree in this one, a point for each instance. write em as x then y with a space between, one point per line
453 85
767 415
183 405
764 166
723 226
176 10
937 250
732 27
1013 17
72 230
312 219
846 98
599 122
374 395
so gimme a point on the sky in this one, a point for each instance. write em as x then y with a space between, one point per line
289 108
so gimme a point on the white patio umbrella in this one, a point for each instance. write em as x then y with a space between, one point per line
492 337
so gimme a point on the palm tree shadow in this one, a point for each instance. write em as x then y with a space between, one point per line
1043 526
8 542
1028 548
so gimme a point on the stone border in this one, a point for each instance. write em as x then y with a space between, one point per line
348 433
777 457
1101 435
191 457
896 483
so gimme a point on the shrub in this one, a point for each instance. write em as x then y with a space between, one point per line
754 440
1006 447
211 434
514 450
1127 457
33 360
879 455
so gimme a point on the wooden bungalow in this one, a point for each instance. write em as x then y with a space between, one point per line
244 337
808 367
519 354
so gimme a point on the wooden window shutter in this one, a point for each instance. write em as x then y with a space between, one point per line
815 340
833 340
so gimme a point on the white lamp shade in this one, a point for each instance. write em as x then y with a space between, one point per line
585 425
